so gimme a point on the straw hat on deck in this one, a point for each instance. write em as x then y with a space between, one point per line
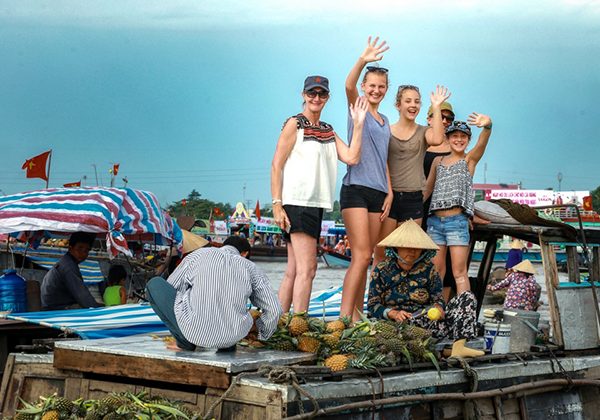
409 235
525 266
192 242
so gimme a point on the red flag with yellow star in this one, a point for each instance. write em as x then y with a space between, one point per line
36 166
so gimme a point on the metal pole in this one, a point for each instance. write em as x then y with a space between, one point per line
95 173
49 164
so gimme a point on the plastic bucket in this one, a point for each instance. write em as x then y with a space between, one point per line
523 327
497 337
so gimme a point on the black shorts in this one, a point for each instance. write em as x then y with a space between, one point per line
303 219
353 196
407 205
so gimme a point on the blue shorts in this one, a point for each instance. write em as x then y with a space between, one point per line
450 230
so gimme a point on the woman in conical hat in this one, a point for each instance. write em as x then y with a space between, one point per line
523 291
406 287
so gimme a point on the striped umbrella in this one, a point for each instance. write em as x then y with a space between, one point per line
114 212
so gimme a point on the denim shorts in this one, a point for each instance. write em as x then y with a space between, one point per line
407 205
359 196
303 219
450 230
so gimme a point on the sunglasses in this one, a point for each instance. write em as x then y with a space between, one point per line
313 93
402 88
377 69
449 118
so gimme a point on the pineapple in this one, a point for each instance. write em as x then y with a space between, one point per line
337 325
284 320
24 416
365 342
51 415
412 332
337 362
298 325
93 415
284 345
308 344
63 405
386 329
395 345
332 339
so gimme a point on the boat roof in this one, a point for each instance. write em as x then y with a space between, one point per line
532 233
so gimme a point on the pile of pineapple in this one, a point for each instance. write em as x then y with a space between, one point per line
366 344
115 406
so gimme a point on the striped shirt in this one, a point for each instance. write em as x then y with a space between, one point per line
213 288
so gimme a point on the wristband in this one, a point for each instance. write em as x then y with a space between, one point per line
488 127
276 201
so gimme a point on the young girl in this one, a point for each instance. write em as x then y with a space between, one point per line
406 153
303 176
365 197
452 199
523 291
115 293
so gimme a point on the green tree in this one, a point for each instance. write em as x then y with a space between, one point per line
334 214
200 208
596 199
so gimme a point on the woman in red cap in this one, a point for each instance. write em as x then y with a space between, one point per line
303 177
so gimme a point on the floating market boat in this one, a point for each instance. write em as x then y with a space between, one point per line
559 379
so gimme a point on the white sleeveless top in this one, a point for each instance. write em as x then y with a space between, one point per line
310 172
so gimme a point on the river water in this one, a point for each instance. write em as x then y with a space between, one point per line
333 277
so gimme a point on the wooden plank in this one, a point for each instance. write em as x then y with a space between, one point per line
595 268
551 278
141 368
4 390
573 264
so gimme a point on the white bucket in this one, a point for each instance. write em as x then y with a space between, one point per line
497 337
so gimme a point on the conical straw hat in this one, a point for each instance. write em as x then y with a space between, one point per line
516 244
192 242
525 266
409 235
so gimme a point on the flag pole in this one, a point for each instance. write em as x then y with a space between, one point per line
49 164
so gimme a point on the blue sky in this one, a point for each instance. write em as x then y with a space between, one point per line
190 94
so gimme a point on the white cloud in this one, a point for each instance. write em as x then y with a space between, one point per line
226 13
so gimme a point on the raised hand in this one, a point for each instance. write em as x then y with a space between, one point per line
358 111
479 120
440 96
374 52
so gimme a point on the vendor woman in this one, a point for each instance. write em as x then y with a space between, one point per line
406 286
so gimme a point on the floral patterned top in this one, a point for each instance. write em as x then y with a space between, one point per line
523 291
393 288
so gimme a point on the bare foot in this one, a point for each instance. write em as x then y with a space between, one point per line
173 346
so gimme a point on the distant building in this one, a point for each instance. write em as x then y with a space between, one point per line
484 191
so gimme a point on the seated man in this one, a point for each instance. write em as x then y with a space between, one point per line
63 287
405 287
204 302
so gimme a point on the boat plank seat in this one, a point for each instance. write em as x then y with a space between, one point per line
146 357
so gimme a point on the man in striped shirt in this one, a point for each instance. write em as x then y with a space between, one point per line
204 302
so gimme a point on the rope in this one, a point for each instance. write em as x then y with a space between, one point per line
469 373
209 413
287 375
563 371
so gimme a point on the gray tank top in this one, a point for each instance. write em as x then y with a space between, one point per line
453 188
371 170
